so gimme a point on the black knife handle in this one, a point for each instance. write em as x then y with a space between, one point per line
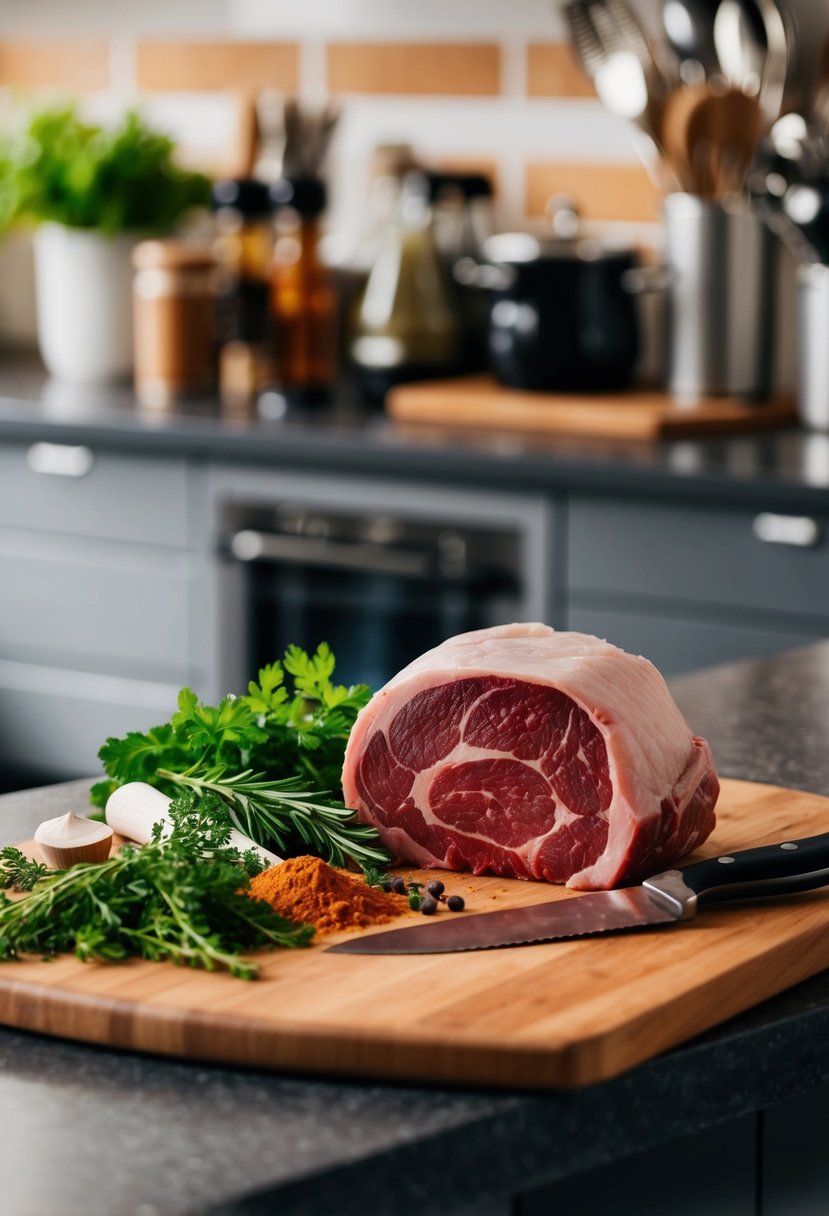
774 869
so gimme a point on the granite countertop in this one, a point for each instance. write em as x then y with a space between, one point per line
784 468
101 1133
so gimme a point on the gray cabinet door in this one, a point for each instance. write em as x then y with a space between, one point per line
53 721
67 488
98 605
696 555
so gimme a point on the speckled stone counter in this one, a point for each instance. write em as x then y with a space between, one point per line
789 468
92 1132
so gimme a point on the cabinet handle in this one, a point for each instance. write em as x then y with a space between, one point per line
60 459
799 530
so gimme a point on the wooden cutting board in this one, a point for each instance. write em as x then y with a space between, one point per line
557 1014
478 401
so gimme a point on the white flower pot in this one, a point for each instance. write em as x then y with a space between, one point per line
84 303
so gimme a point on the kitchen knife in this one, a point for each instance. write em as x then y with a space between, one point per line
777 869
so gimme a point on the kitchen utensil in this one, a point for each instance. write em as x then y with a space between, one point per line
562 1014
664 899
806 206
710 138
561 316
720 301
616 55
753 48
813 346
689 30
820 102
639 414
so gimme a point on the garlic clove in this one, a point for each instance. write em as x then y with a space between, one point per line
71 838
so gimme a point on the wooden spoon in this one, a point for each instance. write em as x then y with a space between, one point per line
710 137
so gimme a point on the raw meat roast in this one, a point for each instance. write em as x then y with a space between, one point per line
529 753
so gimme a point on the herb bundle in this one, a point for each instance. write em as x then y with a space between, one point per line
182 897
273 756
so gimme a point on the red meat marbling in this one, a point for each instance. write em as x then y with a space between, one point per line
531 753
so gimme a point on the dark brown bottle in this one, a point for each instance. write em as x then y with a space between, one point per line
243 248
303 306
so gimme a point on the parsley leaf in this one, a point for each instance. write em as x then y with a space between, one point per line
273 755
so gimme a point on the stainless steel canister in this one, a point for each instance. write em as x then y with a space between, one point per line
720 260
813 346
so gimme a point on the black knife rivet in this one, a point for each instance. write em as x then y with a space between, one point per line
789 846
725 861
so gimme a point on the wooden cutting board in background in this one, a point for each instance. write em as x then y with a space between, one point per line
558 1014
478 401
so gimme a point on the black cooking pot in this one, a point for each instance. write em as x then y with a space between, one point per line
562 315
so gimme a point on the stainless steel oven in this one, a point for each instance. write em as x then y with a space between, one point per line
379 573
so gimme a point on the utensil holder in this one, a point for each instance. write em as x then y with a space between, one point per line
720 260
813 346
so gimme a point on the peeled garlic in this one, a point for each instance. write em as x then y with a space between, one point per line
72 838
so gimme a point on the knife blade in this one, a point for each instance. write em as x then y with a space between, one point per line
667 898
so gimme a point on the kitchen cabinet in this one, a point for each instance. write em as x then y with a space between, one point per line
97 587
690 585
118 583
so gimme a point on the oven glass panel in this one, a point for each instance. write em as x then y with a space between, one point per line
380 591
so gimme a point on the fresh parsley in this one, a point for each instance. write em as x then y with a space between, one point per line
182 897
273 755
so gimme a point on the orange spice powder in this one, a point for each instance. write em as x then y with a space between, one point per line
310 891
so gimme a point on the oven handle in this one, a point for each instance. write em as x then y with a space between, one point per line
252 546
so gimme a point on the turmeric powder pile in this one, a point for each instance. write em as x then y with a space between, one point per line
309 891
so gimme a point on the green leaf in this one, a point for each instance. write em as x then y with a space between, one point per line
136 756
121 178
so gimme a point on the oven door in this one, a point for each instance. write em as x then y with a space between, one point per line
379 590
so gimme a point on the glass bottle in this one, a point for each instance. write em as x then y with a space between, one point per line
463 220
243 248
406 325
303 306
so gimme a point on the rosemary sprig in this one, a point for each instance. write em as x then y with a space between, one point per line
275 813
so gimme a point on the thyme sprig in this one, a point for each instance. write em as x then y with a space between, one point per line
181 897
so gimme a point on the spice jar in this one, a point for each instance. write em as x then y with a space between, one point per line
243 248
174 321
303 305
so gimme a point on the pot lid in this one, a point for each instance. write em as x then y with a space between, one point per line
568 241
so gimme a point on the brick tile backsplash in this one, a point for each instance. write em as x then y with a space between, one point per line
459 91
175 66
443 69
70 65
601 192
553 71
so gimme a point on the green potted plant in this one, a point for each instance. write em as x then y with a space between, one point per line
92 192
